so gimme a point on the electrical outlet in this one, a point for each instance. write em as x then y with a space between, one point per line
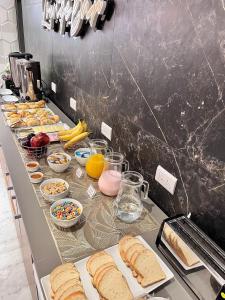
53 86
167 180
106 130
73 104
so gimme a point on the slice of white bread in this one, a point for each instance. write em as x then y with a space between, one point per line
148 267
61 268
113 286
68 284
188 257
98 261
71 291
76 296
132 249
63 277
100 266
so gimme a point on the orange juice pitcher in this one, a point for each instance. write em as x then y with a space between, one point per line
95 163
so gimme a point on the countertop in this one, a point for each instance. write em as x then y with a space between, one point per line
42 246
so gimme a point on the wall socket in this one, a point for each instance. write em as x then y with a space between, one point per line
53 86
167 180
106 130
73 104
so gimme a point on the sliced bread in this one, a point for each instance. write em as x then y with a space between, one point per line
65 286
76 296
62 278
71 291
113 286
100 260
148 267
61 268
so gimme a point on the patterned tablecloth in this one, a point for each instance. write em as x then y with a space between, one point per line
99 228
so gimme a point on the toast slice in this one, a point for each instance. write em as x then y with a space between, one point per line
99 275
132 249
147 266
113 286
76 296
127 244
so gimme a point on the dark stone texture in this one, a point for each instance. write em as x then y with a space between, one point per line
156 75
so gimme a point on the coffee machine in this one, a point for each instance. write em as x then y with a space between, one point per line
26 75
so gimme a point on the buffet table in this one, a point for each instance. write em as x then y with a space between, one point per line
49 245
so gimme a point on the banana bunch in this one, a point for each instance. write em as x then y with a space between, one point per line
73 135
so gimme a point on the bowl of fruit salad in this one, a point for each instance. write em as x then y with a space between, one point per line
66 212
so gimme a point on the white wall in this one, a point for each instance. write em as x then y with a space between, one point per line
8 31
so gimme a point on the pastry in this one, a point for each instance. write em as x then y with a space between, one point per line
9 106
22 106
46 121
32 122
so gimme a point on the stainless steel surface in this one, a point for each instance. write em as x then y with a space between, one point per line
42 245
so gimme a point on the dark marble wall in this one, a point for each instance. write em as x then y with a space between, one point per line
156 74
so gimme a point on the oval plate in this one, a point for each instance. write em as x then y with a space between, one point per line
10 98
5 92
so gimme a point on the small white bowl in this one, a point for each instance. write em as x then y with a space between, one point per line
32 166
38 179
78 155
66 223
53 198
59 168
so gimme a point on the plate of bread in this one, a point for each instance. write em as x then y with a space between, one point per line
183 254
23 106
126 271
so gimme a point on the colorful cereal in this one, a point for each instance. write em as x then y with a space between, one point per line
66 211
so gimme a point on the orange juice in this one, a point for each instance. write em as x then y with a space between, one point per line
95 165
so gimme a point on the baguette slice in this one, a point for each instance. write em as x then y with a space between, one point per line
62 278
68 284
72 292
61 268
113 286
147 266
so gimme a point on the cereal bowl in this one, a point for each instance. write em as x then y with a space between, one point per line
66 212
59 161
54 189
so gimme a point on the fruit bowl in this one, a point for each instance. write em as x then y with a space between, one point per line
36 152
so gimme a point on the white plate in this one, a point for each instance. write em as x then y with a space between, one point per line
136 289
10 98
5 92
187 268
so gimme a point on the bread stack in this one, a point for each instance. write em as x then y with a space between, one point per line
66 284
107 279
188 257
143 262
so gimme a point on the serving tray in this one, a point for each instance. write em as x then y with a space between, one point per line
136 289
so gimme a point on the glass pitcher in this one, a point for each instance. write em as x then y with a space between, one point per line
128 204
95 162
109 181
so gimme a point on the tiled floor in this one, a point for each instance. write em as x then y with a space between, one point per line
13 280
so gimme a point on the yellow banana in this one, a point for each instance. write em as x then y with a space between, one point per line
67 137
70 136
76 139
69 131
84 125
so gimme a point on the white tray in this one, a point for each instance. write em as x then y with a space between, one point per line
187 268
135 287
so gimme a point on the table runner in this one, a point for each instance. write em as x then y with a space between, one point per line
99 228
